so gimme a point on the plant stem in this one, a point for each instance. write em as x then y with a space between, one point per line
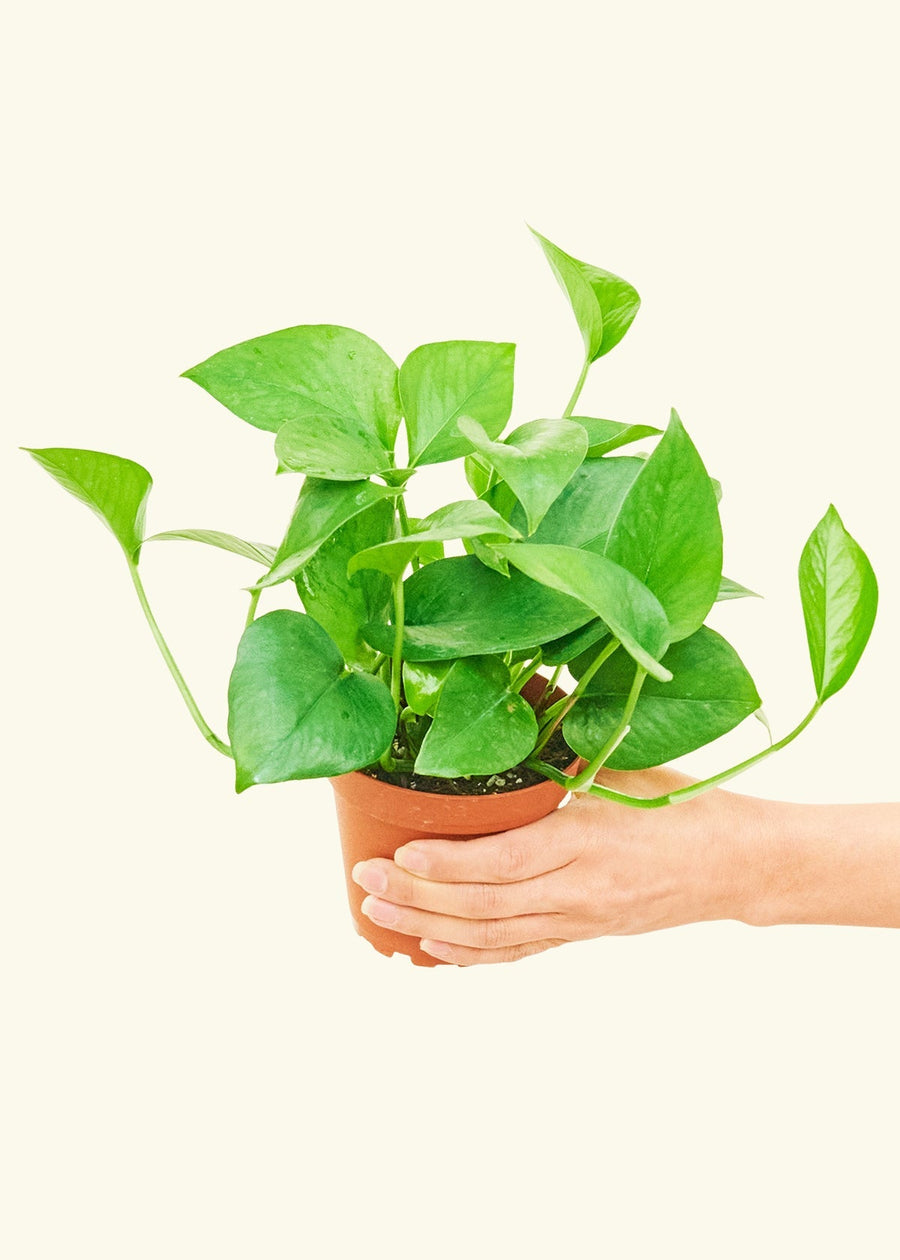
397 659
557 712
519 679
576 392
585 777
548 691
680 794
251 611
182 686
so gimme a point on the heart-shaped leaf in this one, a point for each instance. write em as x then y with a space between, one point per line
480 726
630 610
422 683
465 519
608 435
734 590
569 646
710 693
295 711
840 598
582 514
322 507
313 369
445 380
667 532
342 605
536 461
115 489
262 553
604 304
338 448
458 607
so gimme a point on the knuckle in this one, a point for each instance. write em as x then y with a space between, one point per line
511 862
492 934
484 901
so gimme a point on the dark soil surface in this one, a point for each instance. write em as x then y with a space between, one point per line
557 753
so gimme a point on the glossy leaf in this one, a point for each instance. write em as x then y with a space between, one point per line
608 435
338 448
312 369
445 380
342 605
710 693
734 590
582 514
458 607
604 304
322 507
262 553
295 711
466 519
536 461
478 475
480 726
115 489
422 683
629 609
840 598
667 532
570 646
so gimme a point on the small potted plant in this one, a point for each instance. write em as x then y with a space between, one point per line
426 686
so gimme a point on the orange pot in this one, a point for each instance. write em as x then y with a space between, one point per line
376 818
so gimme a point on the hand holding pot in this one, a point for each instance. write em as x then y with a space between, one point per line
594 868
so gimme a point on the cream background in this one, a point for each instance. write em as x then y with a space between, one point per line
201 1059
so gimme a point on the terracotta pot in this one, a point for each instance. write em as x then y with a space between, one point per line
376 818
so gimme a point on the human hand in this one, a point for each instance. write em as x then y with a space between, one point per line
590 869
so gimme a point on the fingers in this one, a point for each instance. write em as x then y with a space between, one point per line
463 956
500 859
460 900
490 934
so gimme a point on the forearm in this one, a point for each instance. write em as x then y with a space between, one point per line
832 864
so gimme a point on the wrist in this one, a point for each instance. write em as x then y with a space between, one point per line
825 864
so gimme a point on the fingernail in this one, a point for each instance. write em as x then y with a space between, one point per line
379 911
437 949
370 877
411 858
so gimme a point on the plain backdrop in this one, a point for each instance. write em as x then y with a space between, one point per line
201 1059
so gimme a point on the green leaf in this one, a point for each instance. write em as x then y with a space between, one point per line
445 380
338 448
295 711
480 726
710 693
478 475
608 435
342 605
310 370
262 553
487 555
569 646
322 507
604 304
667 532
840 598
583 513
115 489
734 590
466 519
536 461
422 683
458 607
629 609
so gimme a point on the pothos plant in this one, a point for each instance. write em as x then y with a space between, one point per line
573 555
